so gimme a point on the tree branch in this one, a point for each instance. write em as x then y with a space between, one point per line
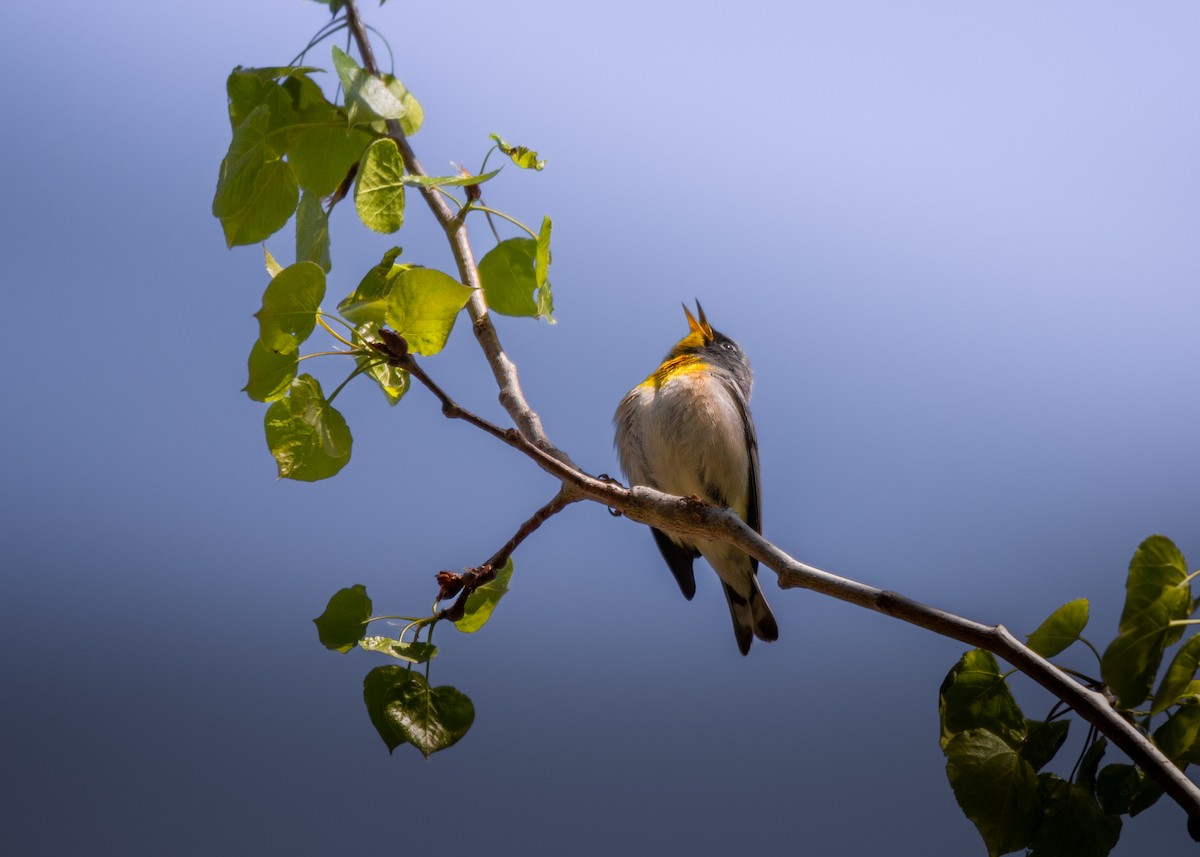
505 372
691 516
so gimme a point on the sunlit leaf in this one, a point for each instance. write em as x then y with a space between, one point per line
1061 628
379 189
414 114
307 436
290 305
367 97
413 652
312 232
523 157
256 190
271 372
368 302
541 272
321 156
273 267
448 181
422 306
507 274
344 621
483 600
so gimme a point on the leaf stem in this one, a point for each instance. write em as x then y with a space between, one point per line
477 207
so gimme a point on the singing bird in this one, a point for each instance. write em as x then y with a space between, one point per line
687 430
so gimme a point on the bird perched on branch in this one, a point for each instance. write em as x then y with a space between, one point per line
687 430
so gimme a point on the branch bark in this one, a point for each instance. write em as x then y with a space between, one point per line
690 516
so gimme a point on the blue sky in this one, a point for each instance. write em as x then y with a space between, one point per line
957 241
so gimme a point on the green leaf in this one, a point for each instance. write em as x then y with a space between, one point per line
379 190
404 708
1043 740
414 652
271 372
1157 593
1157 572
448 181
525 158
367 97
422 306
1179 736
273 267
1179 677
1125 789
307 436
483 600
322 156
1061 629
368 302
256 191
995 787
344 621
312 232
507 274
1190 694
974 695
249 88
392 380
414 114
290 306
541 272
1073 824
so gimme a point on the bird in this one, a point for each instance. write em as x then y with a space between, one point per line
687 430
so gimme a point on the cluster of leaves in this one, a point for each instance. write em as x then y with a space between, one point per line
402 705
295 153
995 755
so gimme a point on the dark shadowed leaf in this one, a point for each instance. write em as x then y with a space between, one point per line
1157 593
995 787
1042 741
1179 676
974 695
344 621
1073 824
404 708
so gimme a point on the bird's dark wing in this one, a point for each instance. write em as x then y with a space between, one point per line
679 560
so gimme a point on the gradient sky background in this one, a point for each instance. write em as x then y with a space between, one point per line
957 240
